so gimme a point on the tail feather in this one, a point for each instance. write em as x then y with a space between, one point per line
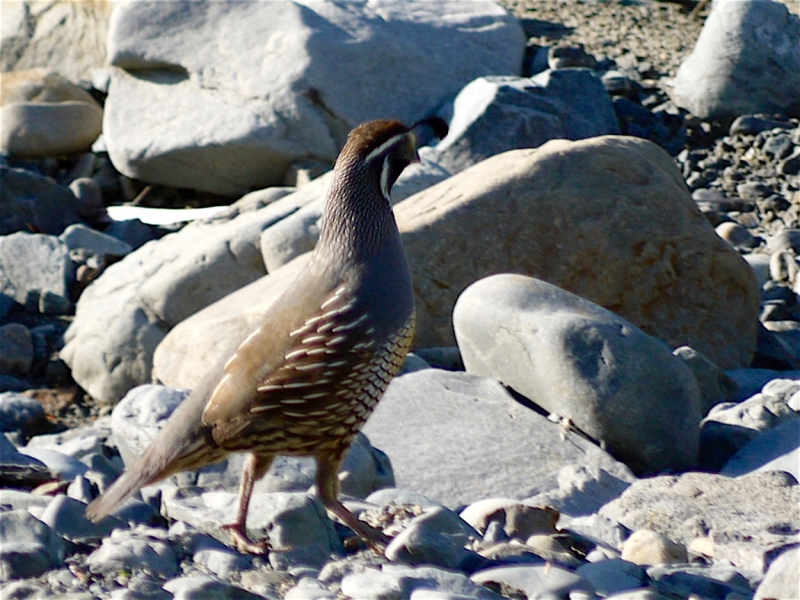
122 489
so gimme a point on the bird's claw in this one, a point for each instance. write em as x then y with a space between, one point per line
242 543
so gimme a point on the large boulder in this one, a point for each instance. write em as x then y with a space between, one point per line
495 114
584 363
233 92
747 60
608 219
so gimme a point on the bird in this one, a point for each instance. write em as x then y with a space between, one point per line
306 380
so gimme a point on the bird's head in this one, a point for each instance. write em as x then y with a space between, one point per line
358 206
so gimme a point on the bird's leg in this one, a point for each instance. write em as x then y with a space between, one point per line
328 488
254 468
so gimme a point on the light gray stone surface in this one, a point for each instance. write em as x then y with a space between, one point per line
28 547
265 84
777 449
747 60
35 271
457 438
745 517
494 114
584 363
783 577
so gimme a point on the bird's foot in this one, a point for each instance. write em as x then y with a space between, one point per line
241 541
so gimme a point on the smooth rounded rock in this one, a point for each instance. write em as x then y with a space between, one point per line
537 581
646 547
585 364
35 129
783 577
17 411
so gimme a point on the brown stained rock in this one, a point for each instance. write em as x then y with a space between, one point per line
606 218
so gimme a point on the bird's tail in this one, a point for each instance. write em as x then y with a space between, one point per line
122 489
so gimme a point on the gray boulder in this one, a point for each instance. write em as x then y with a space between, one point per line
264 81
747 60
777 449
457 438
494 114
585 364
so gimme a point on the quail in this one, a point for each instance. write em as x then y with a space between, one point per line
305 382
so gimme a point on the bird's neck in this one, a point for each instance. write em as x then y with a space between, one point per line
356 221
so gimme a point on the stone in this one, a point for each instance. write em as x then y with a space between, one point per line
200 587
517 520
127 311
612 576
66 37
17 468
494 114
67 517
715 386
285 519
28 547
30 199
18 411
646 547
585 364
582 490
35 271
664 269
399 581
64 467
736 235
747 517
79 236
537 581
777 449
458 438
133 551
436 537
783 577
89 198
36 129
16 350
247 125
717 581
746 60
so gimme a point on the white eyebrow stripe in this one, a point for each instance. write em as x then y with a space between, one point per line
384 146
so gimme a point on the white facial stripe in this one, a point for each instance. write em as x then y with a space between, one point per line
385 179
384 146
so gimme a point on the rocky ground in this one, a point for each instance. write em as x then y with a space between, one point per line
698 534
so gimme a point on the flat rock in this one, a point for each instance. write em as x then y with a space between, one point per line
494 114
28 547
665 270
457 438
749 518
747 60
586 364
264 82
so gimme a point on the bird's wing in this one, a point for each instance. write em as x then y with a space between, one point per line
260 392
